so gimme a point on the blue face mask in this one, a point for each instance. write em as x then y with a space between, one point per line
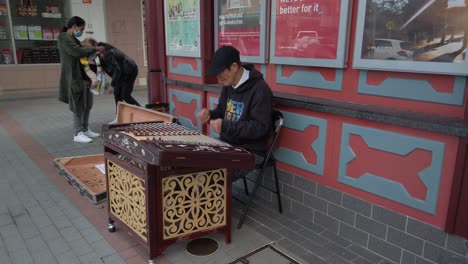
78 34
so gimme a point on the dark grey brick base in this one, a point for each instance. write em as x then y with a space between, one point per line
324 225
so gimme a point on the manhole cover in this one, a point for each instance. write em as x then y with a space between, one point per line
202 246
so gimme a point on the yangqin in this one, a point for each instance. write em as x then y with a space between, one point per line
168 183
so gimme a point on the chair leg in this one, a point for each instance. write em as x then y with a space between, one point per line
278 194
251 196
246 188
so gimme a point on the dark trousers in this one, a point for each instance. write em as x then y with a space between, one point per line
81 115
123 89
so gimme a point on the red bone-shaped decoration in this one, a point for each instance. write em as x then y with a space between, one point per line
394 167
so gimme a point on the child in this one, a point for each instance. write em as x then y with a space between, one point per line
88 61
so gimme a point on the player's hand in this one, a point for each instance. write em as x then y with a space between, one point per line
216 124
203 115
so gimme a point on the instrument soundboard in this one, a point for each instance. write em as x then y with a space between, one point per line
165 143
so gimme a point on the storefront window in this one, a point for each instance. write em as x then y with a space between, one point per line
6 47
29 30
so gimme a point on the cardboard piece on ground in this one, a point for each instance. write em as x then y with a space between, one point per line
84 173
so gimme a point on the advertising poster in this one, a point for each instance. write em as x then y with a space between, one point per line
182 19
239 25
306 28
417 35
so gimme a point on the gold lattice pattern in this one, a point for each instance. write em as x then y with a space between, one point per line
194 202
127 199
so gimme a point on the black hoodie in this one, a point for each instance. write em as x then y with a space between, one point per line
246 113
117 64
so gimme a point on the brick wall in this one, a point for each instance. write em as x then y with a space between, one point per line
335 226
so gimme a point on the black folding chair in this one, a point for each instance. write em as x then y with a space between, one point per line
269 161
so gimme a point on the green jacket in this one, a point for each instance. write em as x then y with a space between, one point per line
73 85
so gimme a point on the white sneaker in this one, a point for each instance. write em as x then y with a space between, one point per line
82 138
94 91
91 134
113 121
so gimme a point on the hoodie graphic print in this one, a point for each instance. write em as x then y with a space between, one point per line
234 110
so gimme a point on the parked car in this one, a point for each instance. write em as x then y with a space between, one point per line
391 49
306 38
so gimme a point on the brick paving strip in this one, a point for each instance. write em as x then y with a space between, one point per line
123 244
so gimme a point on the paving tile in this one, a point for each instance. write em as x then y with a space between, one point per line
21 256
365 253
310 225
290 246
340 251
12 238
70 233
5 219
335 259
291 235
44 257
58 246
90 258
268 233
316 249
91 234
80 246
336 238
441 256
361 260
102 248
114 259
25 226
326 222
50 233
286 222
36 244
353 234
385 249
81 223
314 237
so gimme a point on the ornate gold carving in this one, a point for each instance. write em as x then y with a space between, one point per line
127 200
194 202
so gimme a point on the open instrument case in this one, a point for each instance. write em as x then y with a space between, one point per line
81 171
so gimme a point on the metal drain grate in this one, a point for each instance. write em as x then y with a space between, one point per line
202 247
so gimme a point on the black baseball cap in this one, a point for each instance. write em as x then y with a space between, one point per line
222 59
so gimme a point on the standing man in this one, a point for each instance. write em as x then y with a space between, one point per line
243 115
123 71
